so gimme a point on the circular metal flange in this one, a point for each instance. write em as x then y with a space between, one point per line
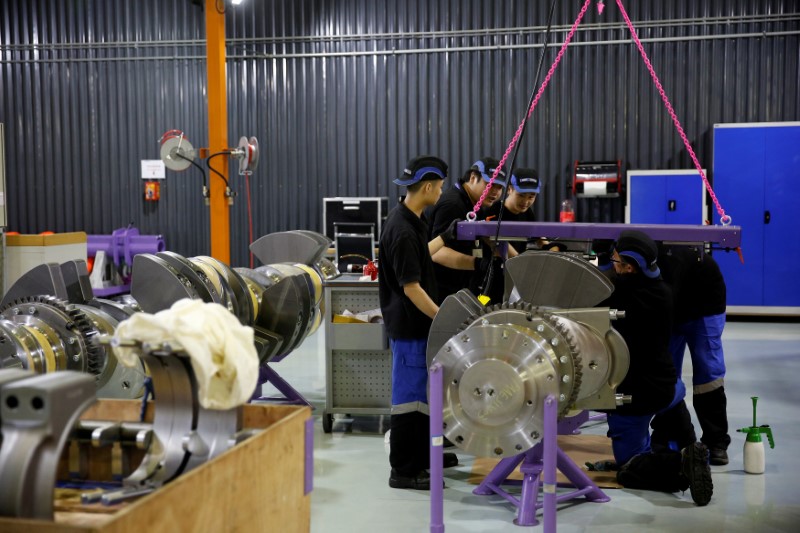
60 332
540 322
496 378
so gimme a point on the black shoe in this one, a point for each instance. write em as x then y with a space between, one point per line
422 481
447 443
449 460
694 467
718 457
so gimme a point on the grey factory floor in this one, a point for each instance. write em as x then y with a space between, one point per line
351 465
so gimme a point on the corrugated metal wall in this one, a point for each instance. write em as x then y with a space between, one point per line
341 93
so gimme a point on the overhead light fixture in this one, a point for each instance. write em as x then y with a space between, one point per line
236 2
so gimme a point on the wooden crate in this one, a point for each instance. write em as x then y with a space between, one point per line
258 485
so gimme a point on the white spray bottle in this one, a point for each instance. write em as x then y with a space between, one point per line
753 446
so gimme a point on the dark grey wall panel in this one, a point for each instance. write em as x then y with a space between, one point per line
341 93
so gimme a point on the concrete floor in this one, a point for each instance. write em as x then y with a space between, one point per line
351 465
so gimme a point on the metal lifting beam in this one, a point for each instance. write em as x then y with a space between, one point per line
724 236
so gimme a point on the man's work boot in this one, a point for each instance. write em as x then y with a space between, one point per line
694 467
422 481
718 457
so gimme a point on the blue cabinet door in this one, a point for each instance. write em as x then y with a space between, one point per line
684 199
648 193
665 197
739 154
781 216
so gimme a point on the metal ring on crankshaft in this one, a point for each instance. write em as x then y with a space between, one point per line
496 378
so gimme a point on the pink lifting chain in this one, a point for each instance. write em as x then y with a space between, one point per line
472 215
724 219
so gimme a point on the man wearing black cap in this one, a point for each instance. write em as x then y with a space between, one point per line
407 289
523 189
652 381
457 264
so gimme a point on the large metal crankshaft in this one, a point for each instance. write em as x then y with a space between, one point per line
501 362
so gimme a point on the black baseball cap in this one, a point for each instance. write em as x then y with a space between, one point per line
642 249
486 166
526 180
424 167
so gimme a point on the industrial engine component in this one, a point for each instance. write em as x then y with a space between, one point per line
49 320
184 434
501 362
37 413
281 301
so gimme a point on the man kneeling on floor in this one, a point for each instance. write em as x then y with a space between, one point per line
652 381
407 290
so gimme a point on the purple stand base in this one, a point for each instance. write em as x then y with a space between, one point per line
543 458
437 448
290 395
534 462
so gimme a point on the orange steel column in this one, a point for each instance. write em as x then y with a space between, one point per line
217 130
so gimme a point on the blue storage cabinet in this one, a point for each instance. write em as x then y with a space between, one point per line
757 180
665 197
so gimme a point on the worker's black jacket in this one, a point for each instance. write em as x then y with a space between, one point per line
697 283
646 329
403 258
453 204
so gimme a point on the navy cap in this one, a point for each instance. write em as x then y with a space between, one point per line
486 166
424 167
525 181
642 249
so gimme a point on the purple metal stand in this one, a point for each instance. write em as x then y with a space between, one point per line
120 247
290 395
309 456
437 448
545 456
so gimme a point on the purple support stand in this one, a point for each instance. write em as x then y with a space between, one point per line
545 456
309 456
437 448
290 395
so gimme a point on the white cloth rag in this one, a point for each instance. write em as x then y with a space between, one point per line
221 349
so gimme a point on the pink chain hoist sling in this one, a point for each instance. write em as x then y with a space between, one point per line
724 218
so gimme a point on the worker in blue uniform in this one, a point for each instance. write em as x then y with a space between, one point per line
462 264
407 290
700 302
651 381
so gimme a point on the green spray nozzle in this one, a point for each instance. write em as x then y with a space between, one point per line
754 432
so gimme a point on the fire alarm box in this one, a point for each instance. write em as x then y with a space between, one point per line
153 171
152 191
